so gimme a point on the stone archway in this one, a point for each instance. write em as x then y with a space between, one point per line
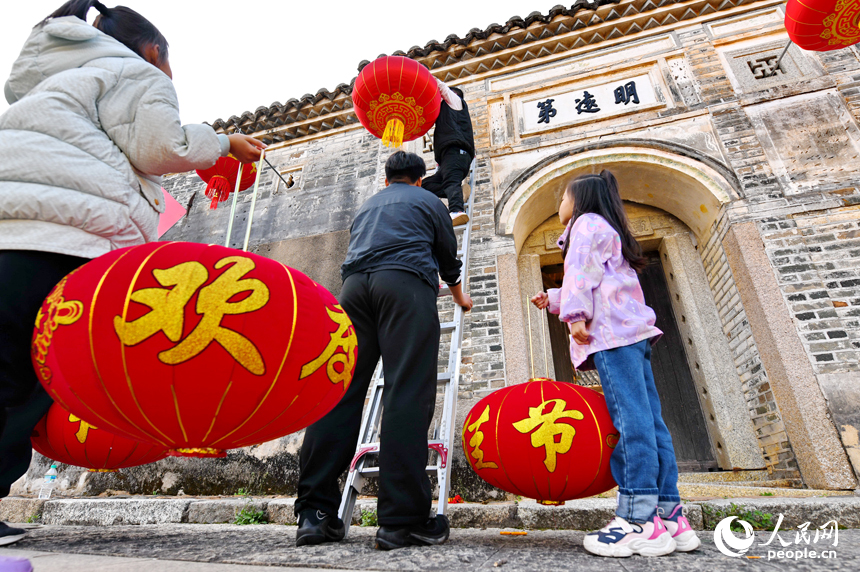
693 191
684 185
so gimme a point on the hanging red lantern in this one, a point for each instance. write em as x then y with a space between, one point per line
64 437
220 178
544 439
196 348
396 99
823 25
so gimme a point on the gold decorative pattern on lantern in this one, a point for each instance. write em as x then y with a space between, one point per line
548 429
342 338
83 428
477 439
397 116
60 312
168 311
841 27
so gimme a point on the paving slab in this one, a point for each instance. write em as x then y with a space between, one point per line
222 510
467 549
106 512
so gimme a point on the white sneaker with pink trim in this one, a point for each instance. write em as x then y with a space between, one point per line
682 533
620 539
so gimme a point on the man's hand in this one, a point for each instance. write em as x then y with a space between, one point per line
579 333
460 298
464 301
541 300
245 148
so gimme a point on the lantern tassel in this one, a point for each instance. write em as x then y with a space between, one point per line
217 188
393 135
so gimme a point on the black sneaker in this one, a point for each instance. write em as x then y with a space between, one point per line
9 535
316 527
434 531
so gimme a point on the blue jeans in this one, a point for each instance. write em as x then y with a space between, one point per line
643 463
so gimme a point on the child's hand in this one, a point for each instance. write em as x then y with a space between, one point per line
579 333
541 300
245 148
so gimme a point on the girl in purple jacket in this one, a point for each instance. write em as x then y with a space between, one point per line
602 302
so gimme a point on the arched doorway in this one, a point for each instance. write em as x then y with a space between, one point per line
680 201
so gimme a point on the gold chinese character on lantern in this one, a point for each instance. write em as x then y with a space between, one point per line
342 338
168 304
477 439
548 429
83 428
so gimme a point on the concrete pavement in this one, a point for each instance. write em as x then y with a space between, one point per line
229 548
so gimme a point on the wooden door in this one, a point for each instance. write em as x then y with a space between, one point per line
680 403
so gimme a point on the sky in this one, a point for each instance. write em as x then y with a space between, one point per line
232 57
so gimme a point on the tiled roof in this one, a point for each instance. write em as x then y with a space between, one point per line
497 46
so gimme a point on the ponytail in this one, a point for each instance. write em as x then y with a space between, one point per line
123 24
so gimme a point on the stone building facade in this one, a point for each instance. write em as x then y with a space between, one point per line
742 182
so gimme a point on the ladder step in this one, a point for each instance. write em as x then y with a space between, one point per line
374 471
441 379
447 327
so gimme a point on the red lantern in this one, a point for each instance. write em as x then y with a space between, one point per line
220 178
823 25
66 438
396 98
193 347
544 439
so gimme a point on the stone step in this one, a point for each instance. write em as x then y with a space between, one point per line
581 514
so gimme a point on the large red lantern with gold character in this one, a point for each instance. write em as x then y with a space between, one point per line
193 347
544 439
823 25
396 98
64 437
220 178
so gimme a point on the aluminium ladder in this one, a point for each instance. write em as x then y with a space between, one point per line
443 439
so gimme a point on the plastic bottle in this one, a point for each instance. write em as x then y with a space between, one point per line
48 483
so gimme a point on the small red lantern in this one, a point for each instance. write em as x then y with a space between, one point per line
544 439
66 438
823 25
396 99
196 348
220 178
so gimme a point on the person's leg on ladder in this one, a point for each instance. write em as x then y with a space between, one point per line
409 341
329 444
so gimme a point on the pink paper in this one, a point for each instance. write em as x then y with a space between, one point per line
173 211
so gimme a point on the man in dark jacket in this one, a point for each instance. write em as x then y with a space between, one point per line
453 149
401 242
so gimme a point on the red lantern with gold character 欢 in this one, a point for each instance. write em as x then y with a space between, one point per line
65 437
397 99
220 178
193 347
823 25
546 440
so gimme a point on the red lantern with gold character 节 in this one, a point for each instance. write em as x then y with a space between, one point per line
66 438
220 178
193 347
546 440
397 99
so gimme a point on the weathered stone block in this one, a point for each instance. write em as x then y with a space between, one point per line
15 509
107 512
223 510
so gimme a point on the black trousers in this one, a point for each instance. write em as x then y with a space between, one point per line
26 279
395 316
447 181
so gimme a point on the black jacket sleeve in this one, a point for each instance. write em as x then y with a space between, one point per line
445 245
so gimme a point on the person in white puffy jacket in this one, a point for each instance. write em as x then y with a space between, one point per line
92 126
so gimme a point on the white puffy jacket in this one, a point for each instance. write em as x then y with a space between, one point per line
91 128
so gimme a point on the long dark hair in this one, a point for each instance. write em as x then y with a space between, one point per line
599 194
121 23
